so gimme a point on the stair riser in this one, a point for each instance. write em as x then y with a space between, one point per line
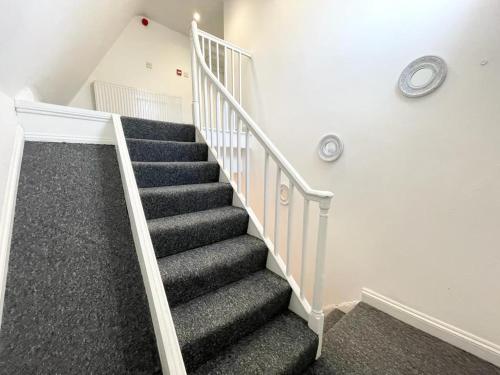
151 175
180 291
175 240
166 152
197 353
158 205
144 129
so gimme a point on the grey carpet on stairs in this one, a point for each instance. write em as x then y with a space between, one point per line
75 301
173 234
368 341
195 272
166 201
151 174
148 150
212 322
285 345
231 314
156 130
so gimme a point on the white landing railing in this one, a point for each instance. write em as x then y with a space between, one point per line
217 110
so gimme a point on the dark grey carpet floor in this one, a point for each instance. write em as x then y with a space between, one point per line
75 301
230 313
367 341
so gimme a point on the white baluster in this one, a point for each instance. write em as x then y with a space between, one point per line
225 66
266 193
238 153
247 166
206 106
277 211
289 230
239 83
211 116
231 127
224 127
210 54
217 123
218 65
232 73
305 239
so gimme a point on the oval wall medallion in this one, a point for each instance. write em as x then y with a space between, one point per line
284 194
423 76
330 147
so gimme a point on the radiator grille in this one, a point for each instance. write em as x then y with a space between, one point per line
133 102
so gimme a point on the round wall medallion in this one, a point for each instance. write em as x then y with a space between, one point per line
284 194
330 147
422 76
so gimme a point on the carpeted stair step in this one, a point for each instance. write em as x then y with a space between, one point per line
152 150
175 234
285 345
166 201
210 323
149 174
196 272
159 130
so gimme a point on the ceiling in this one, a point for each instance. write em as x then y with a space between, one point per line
177 14
53 46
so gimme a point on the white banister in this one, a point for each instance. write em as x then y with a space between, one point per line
169 350
237 122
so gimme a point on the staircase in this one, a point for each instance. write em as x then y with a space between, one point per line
230 313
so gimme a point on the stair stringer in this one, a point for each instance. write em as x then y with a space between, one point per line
297 305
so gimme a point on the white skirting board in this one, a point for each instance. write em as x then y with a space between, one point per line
455 336
8 211
44 122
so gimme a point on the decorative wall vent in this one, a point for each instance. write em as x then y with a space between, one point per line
330 147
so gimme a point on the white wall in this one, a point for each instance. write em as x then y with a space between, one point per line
417 209
125 64
53 45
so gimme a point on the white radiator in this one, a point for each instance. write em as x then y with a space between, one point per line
129 101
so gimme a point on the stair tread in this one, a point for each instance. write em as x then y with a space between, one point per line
151 174
195 272
161 142
178 233
285 345
149 150
158 130
208 324
163 201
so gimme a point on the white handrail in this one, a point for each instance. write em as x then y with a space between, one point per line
205 82
290 171
166 337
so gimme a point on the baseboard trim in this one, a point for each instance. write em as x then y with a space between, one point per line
54 110
47 137
8 211
44 122
473 344
345 307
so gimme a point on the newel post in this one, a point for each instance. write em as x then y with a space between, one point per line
316 319
194 77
